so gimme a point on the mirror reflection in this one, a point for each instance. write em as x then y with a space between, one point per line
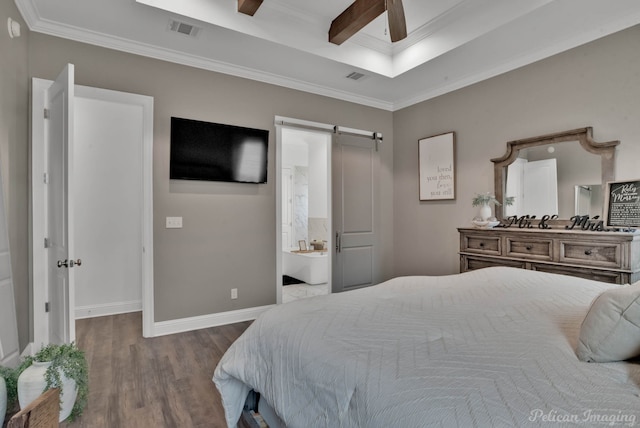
559 178
588 200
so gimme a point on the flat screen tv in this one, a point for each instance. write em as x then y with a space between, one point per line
215 152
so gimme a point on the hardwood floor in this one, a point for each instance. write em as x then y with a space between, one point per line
159 382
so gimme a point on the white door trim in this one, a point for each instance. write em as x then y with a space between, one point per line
38 260
317 127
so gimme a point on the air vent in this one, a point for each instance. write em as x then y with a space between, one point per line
183 28
354 75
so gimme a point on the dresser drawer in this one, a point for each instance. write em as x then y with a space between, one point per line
594 274
481 244
591 254
528 248
471 263
612 257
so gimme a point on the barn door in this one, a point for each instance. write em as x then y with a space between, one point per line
355 168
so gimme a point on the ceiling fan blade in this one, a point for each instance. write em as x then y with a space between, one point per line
397 23
248 7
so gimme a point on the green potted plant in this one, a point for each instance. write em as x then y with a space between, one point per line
8 390
484 200
56 366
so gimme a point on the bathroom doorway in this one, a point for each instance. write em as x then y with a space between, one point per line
303 215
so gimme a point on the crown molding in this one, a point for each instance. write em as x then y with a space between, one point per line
36 24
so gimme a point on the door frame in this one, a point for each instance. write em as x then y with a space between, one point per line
299 124
38 259
285 122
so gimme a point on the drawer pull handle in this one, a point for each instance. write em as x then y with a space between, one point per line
587 252
482 244
528 247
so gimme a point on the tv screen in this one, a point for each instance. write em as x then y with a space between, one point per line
216 152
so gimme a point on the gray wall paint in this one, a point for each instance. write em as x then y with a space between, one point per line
14 149
228 239
594 85
229 234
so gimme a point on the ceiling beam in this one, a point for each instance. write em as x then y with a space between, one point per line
248 7
354 18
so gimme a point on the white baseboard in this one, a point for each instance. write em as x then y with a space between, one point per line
101 310
163 328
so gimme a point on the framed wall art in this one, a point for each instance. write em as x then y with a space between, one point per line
622 203
437 176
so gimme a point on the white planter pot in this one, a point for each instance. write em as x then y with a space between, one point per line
32 383
485 212
3 399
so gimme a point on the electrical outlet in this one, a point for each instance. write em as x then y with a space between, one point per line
174 223
234 293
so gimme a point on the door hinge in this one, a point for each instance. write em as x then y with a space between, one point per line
47 113
45 178
47 244
46 306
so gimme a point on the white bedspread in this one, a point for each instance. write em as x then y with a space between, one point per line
487 348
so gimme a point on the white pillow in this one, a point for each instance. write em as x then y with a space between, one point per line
611 330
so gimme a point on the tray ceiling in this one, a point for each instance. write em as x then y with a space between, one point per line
450 43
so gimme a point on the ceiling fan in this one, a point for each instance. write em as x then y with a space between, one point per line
354 18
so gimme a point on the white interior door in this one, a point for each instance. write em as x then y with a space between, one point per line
355 204
514 188
59 101
540 187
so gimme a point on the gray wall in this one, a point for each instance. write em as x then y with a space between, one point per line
594 85
228 239
14 152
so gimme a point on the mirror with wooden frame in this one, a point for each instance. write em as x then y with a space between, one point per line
556 172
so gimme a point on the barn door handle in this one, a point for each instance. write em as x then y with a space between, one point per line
338 246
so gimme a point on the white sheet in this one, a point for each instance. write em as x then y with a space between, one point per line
492 347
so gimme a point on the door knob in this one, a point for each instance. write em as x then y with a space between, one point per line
69 263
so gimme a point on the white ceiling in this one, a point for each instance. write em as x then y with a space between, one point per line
450 43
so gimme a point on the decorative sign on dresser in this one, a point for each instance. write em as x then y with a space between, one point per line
603 256
623 203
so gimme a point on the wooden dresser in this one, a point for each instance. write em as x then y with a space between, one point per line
603 256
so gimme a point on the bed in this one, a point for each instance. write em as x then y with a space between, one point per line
492 347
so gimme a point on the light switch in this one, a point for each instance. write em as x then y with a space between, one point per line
174 223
